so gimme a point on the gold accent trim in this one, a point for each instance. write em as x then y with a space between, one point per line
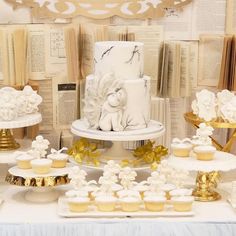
105 8
206 182
7 141
49 181
218 124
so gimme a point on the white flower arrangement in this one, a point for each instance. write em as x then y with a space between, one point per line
14 103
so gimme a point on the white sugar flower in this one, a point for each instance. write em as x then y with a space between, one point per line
112 167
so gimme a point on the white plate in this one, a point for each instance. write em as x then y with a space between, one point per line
102 164
63 210
231 203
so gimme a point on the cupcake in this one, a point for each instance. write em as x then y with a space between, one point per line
106 203
125 193
23 161
205 153
181 148
180 192
152 193
59 160
154 203
78 204
76 193
41 166
183 203
167 188
130 203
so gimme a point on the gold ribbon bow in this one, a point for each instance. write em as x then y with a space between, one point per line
148 154
83 150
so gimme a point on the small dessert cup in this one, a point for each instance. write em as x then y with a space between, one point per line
180 192
41 166
181 149
59 160
130 204
23 161
205 153
106 203
78 204
154 203
183 203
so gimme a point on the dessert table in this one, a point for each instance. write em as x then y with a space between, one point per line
18 217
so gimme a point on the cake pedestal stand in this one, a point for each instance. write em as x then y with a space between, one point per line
216 124
42 190
7 141
117 152
208 173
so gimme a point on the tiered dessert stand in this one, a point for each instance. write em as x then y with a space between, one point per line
217 124
42 190
117 152
208 173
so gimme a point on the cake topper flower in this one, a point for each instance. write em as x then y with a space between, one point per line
127 176
203 134
39 147
78 177
156 181
112 167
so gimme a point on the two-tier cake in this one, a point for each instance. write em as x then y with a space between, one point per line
117 95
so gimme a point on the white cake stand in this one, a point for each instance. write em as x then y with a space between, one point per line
42 190
7 141
207 176
117 152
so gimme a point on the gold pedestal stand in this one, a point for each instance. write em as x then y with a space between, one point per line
217 124
7 141
206 182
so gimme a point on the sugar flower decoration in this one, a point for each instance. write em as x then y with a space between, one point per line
127 176
78 177
112 167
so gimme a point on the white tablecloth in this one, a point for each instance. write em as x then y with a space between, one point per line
21 218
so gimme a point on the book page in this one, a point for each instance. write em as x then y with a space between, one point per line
193 64
36 52
56 62
46 107
4 72
185 84
210 55
231 17
177 23
65 96
152 37
208 17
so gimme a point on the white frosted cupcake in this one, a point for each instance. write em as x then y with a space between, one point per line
183 203
23 161
154 203
125 193
152 193
181 192
181 148
78 204
59 160
205 153
130 204
76 193
167 188
41 166
106 203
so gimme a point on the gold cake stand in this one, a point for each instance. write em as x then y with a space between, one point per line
207 181
42 190
217 124
7 141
